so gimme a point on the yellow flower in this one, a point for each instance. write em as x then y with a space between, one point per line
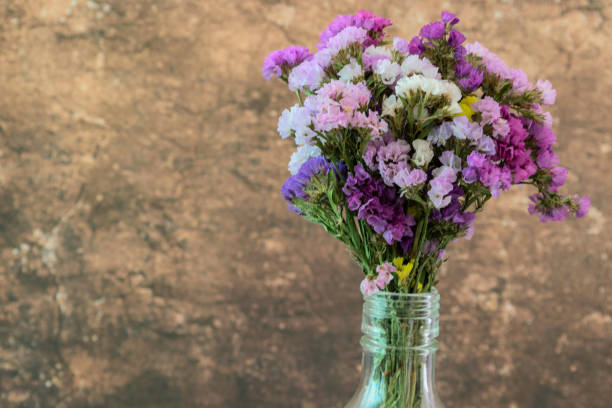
403 270
398 262
466 106
419 287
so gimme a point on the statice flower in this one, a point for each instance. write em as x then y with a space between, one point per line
368 287
432 31
282 61
489 109
423 153
392 158
512 151
558 175
481 168
413 64
347 37
449 18
350 71
441 186
583 206
372 24
391 105
440 134
388 71
339 105
416 46
401 45
296 122
379 206
495 65
548 93
385 274
372 55
455 38
546 210
295 185
308 75
407 85
453 213
407 178
302 155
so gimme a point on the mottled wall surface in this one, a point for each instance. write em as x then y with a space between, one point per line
148 260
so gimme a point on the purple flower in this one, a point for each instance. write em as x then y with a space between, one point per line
547 210
546 159
455 38
295 185
416 46
558 176
379 206
472 81
452 213
583 206
363 19
282 61
433 30
449 18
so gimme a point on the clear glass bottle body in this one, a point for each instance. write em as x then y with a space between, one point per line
399 346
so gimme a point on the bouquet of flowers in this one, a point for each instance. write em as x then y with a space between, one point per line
401 143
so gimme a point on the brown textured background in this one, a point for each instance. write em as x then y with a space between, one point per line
148 260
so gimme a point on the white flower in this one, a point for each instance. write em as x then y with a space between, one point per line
284 123
296 121
406 85
388 71
391 105
431 86
423 152
300 157
413 64
350 71
372 51
440 134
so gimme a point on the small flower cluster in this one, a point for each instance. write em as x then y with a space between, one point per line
419 135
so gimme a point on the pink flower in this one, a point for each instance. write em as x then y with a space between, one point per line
368 287
548 93
385 274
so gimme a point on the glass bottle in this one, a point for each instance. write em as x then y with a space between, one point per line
399 346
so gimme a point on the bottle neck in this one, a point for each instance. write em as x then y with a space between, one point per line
399 346
399 322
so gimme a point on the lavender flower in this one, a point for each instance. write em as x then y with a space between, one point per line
374 25
282 61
